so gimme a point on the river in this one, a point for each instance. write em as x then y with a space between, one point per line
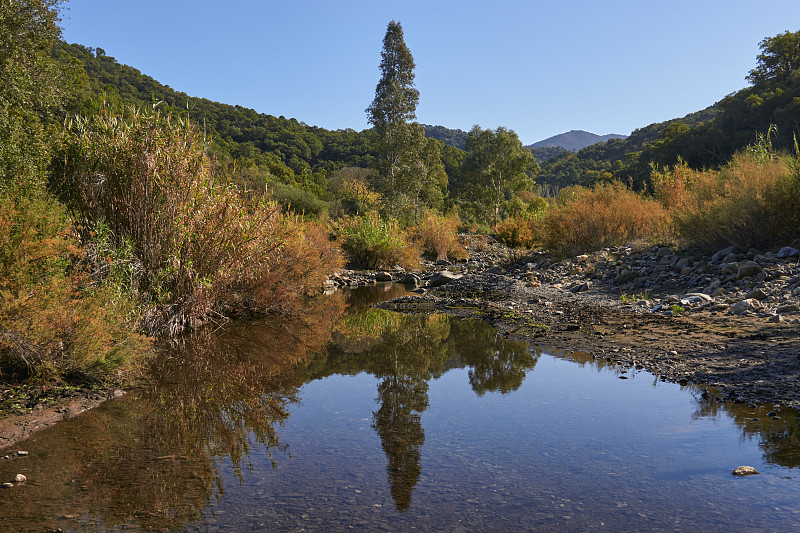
352 417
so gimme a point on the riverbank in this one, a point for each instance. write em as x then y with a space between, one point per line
730 321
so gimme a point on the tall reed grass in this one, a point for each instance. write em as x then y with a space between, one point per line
205 249
752 202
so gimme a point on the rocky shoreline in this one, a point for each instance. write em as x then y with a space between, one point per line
729 322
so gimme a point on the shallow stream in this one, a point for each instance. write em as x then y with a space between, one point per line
353 417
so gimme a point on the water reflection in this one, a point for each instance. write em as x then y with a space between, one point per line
158 459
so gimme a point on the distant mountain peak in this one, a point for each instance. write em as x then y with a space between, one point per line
574 140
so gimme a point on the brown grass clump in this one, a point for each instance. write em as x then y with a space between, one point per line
518 232
438 236
753 202
584 220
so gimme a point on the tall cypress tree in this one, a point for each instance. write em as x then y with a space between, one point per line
395 104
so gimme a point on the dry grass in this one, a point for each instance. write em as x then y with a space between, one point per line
205 249
438 236
53 322
753 202
608 215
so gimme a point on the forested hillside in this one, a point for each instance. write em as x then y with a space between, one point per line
705 139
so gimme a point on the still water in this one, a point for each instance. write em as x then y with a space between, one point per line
352 417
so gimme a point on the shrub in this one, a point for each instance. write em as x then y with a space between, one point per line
370 241
517 232
584 220
438 237
54 323
296 200
753 202
204 248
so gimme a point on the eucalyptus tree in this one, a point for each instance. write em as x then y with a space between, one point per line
401 143
496 165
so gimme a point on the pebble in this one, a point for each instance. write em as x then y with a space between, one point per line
22 453
745 471
20 478
7 485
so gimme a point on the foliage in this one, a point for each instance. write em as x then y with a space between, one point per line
752 202
296 200
205 249
584 220
779 58
32 85
408 164
496 165
438 237
371 242
518 232
53 322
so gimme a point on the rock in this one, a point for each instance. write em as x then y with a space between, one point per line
756 294
22 453
495 270
442 278
745 471
411 279
776 318
722 253
20 478
7 485
580 287
443 262
788 309
383 276
730 268
787 251
695 298
743 306
663 252
748 269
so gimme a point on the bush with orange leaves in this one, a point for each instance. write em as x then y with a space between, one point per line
438 236
752 202
584 220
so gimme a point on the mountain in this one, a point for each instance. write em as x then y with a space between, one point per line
575 140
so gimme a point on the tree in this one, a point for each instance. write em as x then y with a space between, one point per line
779 57
496 166
394 105
32 84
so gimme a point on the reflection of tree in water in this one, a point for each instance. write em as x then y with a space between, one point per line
398 424
405 352
779 439
498 364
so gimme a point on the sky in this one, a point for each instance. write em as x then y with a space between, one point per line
539 68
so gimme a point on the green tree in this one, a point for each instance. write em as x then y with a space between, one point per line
496 166
32 84
779 57
395 104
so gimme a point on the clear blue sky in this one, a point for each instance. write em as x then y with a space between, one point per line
539 68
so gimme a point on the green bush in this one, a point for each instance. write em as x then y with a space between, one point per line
371 242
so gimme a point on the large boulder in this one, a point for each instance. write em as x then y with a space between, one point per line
748 269
442 278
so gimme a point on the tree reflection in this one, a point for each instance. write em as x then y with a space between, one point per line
406 352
